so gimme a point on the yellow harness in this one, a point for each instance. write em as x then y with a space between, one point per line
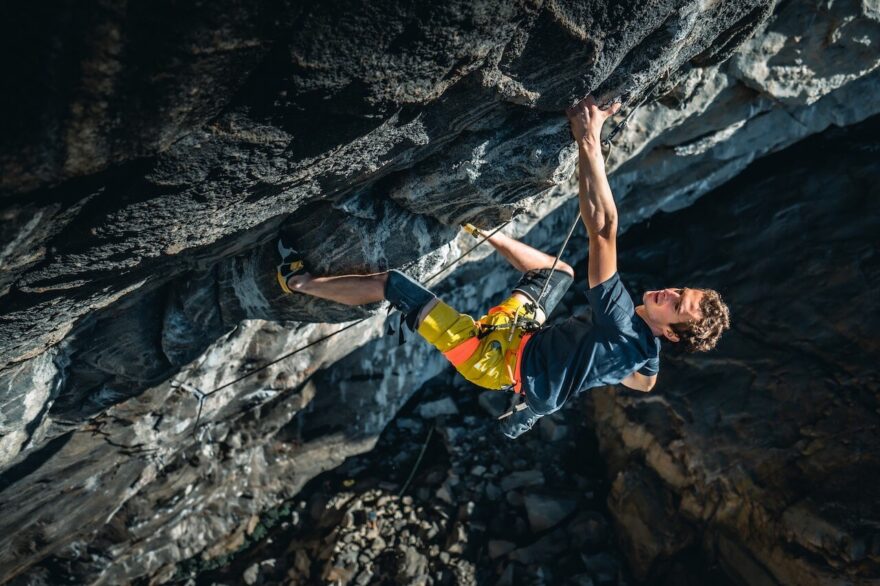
488 351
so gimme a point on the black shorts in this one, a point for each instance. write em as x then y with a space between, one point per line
409 296
531 284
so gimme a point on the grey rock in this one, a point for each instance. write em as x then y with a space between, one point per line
453 436
581 580
433 409
251 574
552 430
588 529
445 494
493 492
498 548
514 498
364 578
506 577
603 567
543 550
521 479
546 511
414 565
494 403
413 425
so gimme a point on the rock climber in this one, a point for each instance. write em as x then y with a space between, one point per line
503 349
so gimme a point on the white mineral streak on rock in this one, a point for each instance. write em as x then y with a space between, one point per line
700 146
422 233
244 281
471 167
23 422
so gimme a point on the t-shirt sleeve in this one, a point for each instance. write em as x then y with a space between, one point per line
611 304
651 367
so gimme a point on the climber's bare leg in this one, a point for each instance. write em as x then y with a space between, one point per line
523 257
349 289
345 289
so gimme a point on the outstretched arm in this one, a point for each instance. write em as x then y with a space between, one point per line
598 210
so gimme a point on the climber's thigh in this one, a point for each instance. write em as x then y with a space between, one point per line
445 328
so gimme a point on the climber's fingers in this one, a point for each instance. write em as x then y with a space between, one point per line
613 108
589 106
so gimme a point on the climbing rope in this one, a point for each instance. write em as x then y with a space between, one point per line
202 396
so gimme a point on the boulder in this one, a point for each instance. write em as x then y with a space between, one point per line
438 408
546 511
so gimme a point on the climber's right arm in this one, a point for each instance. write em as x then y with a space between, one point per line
598 210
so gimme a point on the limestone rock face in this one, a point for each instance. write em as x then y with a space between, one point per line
153 156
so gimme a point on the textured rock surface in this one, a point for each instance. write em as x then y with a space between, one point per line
764 453
139 214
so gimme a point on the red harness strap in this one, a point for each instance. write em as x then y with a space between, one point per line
517 381
463 351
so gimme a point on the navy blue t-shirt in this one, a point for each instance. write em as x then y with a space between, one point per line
573 356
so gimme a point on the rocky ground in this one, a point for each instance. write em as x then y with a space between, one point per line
479 509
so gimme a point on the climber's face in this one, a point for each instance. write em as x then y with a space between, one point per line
672 306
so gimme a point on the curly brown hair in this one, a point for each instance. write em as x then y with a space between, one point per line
702 335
